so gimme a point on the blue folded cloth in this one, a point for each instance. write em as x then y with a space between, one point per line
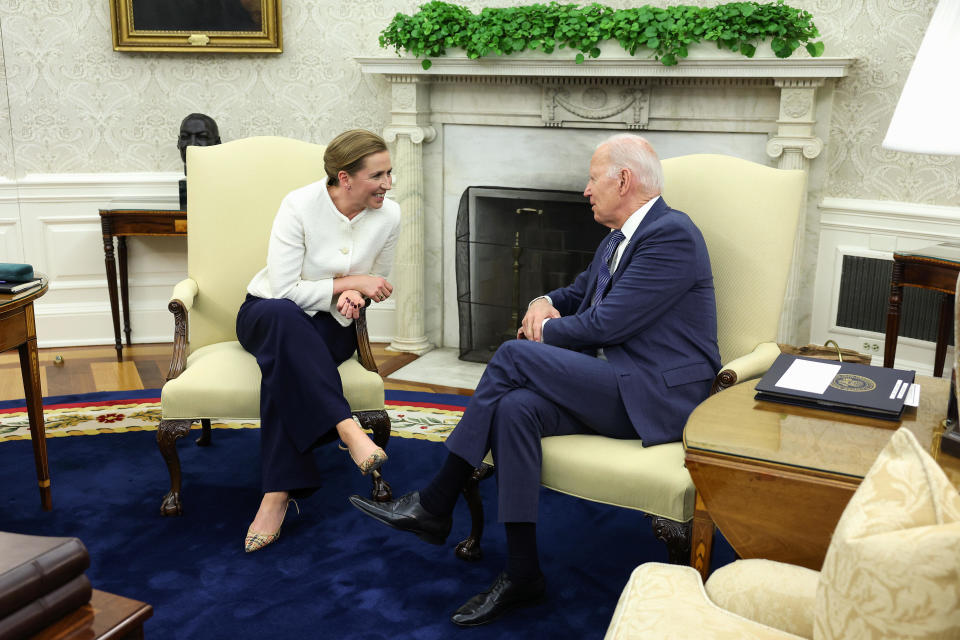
15 272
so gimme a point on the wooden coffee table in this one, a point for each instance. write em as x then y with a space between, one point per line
775 478
107 616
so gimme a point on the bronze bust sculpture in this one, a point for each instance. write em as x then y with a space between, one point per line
197 129
200 130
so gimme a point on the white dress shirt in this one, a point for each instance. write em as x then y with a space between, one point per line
312 243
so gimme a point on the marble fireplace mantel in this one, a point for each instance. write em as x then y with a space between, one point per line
787 100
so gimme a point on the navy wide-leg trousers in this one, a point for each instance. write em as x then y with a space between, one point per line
301 396
530 391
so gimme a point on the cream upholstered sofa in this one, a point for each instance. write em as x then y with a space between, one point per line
748 214
234 191
892 570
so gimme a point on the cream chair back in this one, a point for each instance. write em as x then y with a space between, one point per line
748 214
234 190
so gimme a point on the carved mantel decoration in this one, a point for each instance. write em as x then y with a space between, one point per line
624 105
781 98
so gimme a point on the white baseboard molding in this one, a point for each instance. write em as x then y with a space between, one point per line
85 324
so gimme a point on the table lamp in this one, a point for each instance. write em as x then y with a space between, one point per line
926 121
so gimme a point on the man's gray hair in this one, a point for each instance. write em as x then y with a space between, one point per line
633 152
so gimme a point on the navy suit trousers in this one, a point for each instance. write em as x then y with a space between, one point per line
301 396
530 391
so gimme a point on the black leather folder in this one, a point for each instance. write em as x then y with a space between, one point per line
857 389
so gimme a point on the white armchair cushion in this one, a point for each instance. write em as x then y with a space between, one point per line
893 566
668 601
620 472
222 380
774 593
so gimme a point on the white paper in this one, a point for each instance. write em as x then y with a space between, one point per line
913 396
896 389
809 376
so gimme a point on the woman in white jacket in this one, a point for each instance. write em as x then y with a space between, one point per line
331 248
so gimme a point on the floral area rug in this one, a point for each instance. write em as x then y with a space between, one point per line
413 414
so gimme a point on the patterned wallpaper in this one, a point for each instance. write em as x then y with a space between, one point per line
76 106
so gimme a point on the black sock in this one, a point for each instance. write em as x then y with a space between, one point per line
522 561
440 496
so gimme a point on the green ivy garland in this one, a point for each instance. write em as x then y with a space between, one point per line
666 32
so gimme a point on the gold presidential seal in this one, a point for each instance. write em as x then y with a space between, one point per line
851 382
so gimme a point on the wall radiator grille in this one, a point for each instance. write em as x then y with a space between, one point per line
864 295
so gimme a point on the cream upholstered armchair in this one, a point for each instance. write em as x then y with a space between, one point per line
234 191
892 570
748 215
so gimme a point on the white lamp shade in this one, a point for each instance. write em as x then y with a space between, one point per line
927 117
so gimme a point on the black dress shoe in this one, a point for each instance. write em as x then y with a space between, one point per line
502 596
406 514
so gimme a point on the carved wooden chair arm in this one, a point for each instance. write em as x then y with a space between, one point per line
746 367
364 352
180 304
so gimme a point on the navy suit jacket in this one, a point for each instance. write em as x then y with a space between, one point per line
657 324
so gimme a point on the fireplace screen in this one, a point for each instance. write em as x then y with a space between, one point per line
512 246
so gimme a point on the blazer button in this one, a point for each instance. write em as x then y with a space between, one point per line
344 250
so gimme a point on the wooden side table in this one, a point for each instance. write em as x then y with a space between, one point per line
121 223
18 330
933 268
106 616
775 478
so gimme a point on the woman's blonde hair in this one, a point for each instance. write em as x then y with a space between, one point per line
347 151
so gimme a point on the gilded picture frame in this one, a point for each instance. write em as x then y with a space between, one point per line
197 26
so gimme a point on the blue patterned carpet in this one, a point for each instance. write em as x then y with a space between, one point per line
333 573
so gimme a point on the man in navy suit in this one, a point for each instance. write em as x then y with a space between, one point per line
626 351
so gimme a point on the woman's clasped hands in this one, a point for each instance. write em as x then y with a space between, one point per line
352 300
375 288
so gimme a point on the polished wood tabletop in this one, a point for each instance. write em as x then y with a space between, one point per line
732 423
106 617
775 478
18 330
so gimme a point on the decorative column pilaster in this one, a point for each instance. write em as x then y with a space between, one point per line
408 130
794 146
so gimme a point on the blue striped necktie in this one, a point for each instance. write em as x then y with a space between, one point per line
603 278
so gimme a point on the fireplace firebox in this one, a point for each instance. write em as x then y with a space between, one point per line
512 246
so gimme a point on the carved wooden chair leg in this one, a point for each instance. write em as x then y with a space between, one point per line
379 423
168 433
676 535
204 439
469 549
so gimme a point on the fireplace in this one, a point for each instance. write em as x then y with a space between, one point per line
780 107
513 245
